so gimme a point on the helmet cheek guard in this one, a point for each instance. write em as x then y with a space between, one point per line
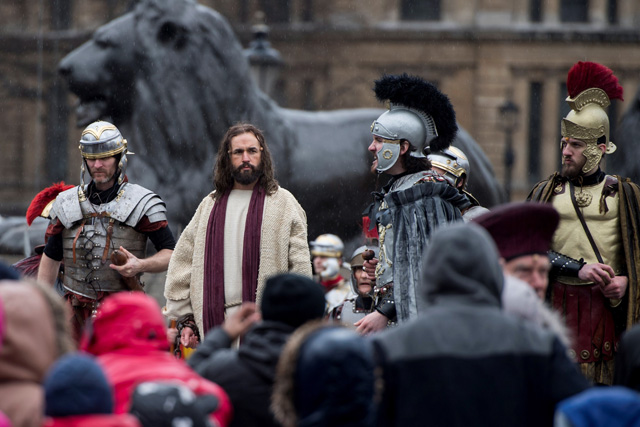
388 155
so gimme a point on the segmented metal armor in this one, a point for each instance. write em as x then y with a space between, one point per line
92 232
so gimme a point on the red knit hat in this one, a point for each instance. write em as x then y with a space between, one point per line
520 229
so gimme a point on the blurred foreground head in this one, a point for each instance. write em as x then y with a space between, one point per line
325 377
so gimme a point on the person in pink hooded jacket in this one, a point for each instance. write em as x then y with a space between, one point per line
129 338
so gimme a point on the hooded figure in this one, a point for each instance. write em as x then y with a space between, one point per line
129 338
34 337
416 200
464 361
325 378
600 406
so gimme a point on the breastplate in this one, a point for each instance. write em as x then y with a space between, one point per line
350 314
86 260
571 239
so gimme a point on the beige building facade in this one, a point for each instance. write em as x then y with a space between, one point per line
480 53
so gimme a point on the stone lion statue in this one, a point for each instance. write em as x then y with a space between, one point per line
171 75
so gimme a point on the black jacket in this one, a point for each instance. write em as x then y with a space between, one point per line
464 361
246 374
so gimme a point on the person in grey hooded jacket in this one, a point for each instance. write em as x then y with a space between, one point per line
464 361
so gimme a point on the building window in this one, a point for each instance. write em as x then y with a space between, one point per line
535 131
420 10
613 111
308 93
276 11
612 11
243 11
535 10
307 11
61 14
563 110
574 10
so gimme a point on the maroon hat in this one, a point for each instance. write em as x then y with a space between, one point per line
520 229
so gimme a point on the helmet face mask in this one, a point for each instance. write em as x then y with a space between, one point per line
397 124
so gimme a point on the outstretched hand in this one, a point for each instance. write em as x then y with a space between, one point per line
132 267
239 322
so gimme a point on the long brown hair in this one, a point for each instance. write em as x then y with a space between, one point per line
222 171
414 164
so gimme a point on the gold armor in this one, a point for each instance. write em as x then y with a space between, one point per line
570 238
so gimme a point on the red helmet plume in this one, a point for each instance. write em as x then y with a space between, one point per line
43 198
586 75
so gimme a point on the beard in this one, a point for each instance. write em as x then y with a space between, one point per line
104 180
244 177
572 169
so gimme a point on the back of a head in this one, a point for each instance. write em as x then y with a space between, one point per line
325 378
30 346
600 406
126 320
77 385
292 299
627 365
171 405
462 260
29 329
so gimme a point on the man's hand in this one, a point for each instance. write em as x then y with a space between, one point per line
616 288
369 267
188 338
372 322
132 267
600 274
239 322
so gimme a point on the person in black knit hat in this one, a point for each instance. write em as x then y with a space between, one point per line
247 373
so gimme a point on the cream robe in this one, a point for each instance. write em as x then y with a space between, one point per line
283 248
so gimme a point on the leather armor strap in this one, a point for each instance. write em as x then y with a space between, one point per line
75 239
584 224
105 253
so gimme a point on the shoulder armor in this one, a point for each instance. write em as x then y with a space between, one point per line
134 202
66 207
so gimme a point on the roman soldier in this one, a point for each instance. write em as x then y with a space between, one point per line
416 200
453 165
596 265
90 222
